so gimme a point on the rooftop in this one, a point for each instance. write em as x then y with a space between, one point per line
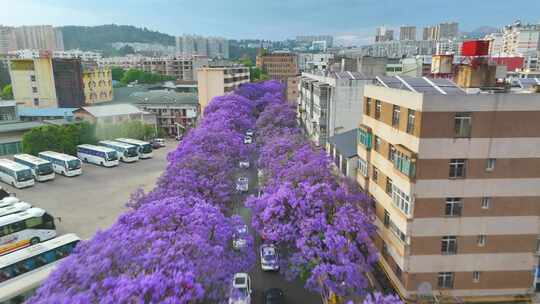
45 112
7 103
343 75
428 86
165 96
112 110
346 142
19 126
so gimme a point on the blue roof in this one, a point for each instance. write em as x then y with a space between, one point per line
45 112
346 143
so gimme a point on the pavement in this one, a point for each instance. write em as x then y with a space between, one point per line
294 291
86 203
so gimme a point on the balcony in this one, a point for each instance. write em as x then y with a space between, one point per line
404 161
365 136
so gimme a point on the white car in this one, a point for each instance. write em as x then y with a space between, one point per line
248 140
242 184
241 289
269 258
243 164
240 237
249 133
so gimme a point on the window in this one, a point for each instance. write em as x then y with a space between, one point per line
481 241
398 271
462 124
395 116
401 200
378 108
538 245
388 186
410 121
403 163
457 168
36 101
32 77
490 164
363 167
453 207
375 174
368 106
476 276
486 202
377 145
391 153
446 280
386 220
448 245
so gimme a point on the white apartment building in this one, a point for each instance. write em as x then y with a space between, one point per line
521 40
219 80
309 62
76 53
330 103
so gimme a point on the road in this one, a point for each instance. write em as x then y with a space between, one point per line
94 200
294 291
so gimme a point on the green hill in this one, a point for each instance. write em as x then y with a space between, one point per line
100 37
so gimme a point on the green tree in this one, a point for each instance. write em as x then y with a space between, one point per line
7 92
117 73
257 74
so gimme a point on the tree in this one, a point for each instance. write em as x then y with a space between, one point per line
7 92
117 73
126 50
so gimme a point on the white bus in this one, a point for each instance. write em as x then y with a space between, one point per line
15 174
145 148
25 228
23 271
64 164
98 155
8 201
126 152
14 208
41 169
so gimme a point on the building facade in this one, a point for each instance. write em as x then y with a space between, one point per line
455 186
279 66
314 62
441 31
308 40
97 83
383 34
407 33
521 39
217 81
292 89
330 103
212 47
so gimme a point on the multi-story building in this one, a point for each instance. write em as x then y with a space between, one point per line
308 40
193 45
399 49
7 40
455 183
330 103
216 81
279 65
40 37
292 89
309 62
442 31
383 34
521 39
47 82
449 47
496 43
407 33
97 82
70 54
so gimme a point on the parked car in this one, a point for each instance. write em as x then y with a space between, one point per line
269 257
178 137
242 184
158 143
240 237
248 140
241 289
273 296
243 164
250 133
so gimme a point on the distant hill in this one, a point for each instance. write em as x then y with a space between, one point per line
100 37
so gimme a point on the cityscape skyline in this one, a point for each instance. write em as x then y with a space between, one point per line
348 21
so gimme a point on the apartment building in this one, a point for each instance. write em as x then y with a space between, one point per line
455 182
279 66
216 81
97 83
193 45
521 39
383 34
407 32
330 103
441 31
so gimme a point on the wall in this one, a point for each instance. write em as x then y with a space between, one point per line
210 84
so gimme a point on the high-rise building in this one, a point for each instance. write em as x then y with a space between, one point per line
521 39
455 185
213 47
39 37
441 31
308 40
7 40
383 34
218 80
279 65
407 33
97 83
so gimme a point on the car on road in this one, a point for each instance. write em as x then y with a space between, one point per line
242 184
269 257
243 164
273 296
250 133
248 140
240 237
158 143
241 289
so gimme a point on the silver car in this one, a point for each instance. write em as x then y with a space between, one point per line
242 184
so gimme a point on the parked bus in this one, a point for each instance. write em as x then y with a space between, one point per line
145 148
23 271
41 169
8 201
126 152
98 155
25 228
15 174
64 164
15 208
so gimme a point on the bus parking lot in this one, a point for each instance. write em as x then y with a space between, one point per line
94 200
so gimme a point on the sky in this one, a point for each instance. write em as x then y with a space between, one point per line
350 21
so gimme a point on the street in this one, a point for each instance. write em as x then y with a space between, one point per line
294 291
94 200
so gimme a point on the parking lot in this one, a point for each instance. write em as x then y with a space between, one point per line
93 200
